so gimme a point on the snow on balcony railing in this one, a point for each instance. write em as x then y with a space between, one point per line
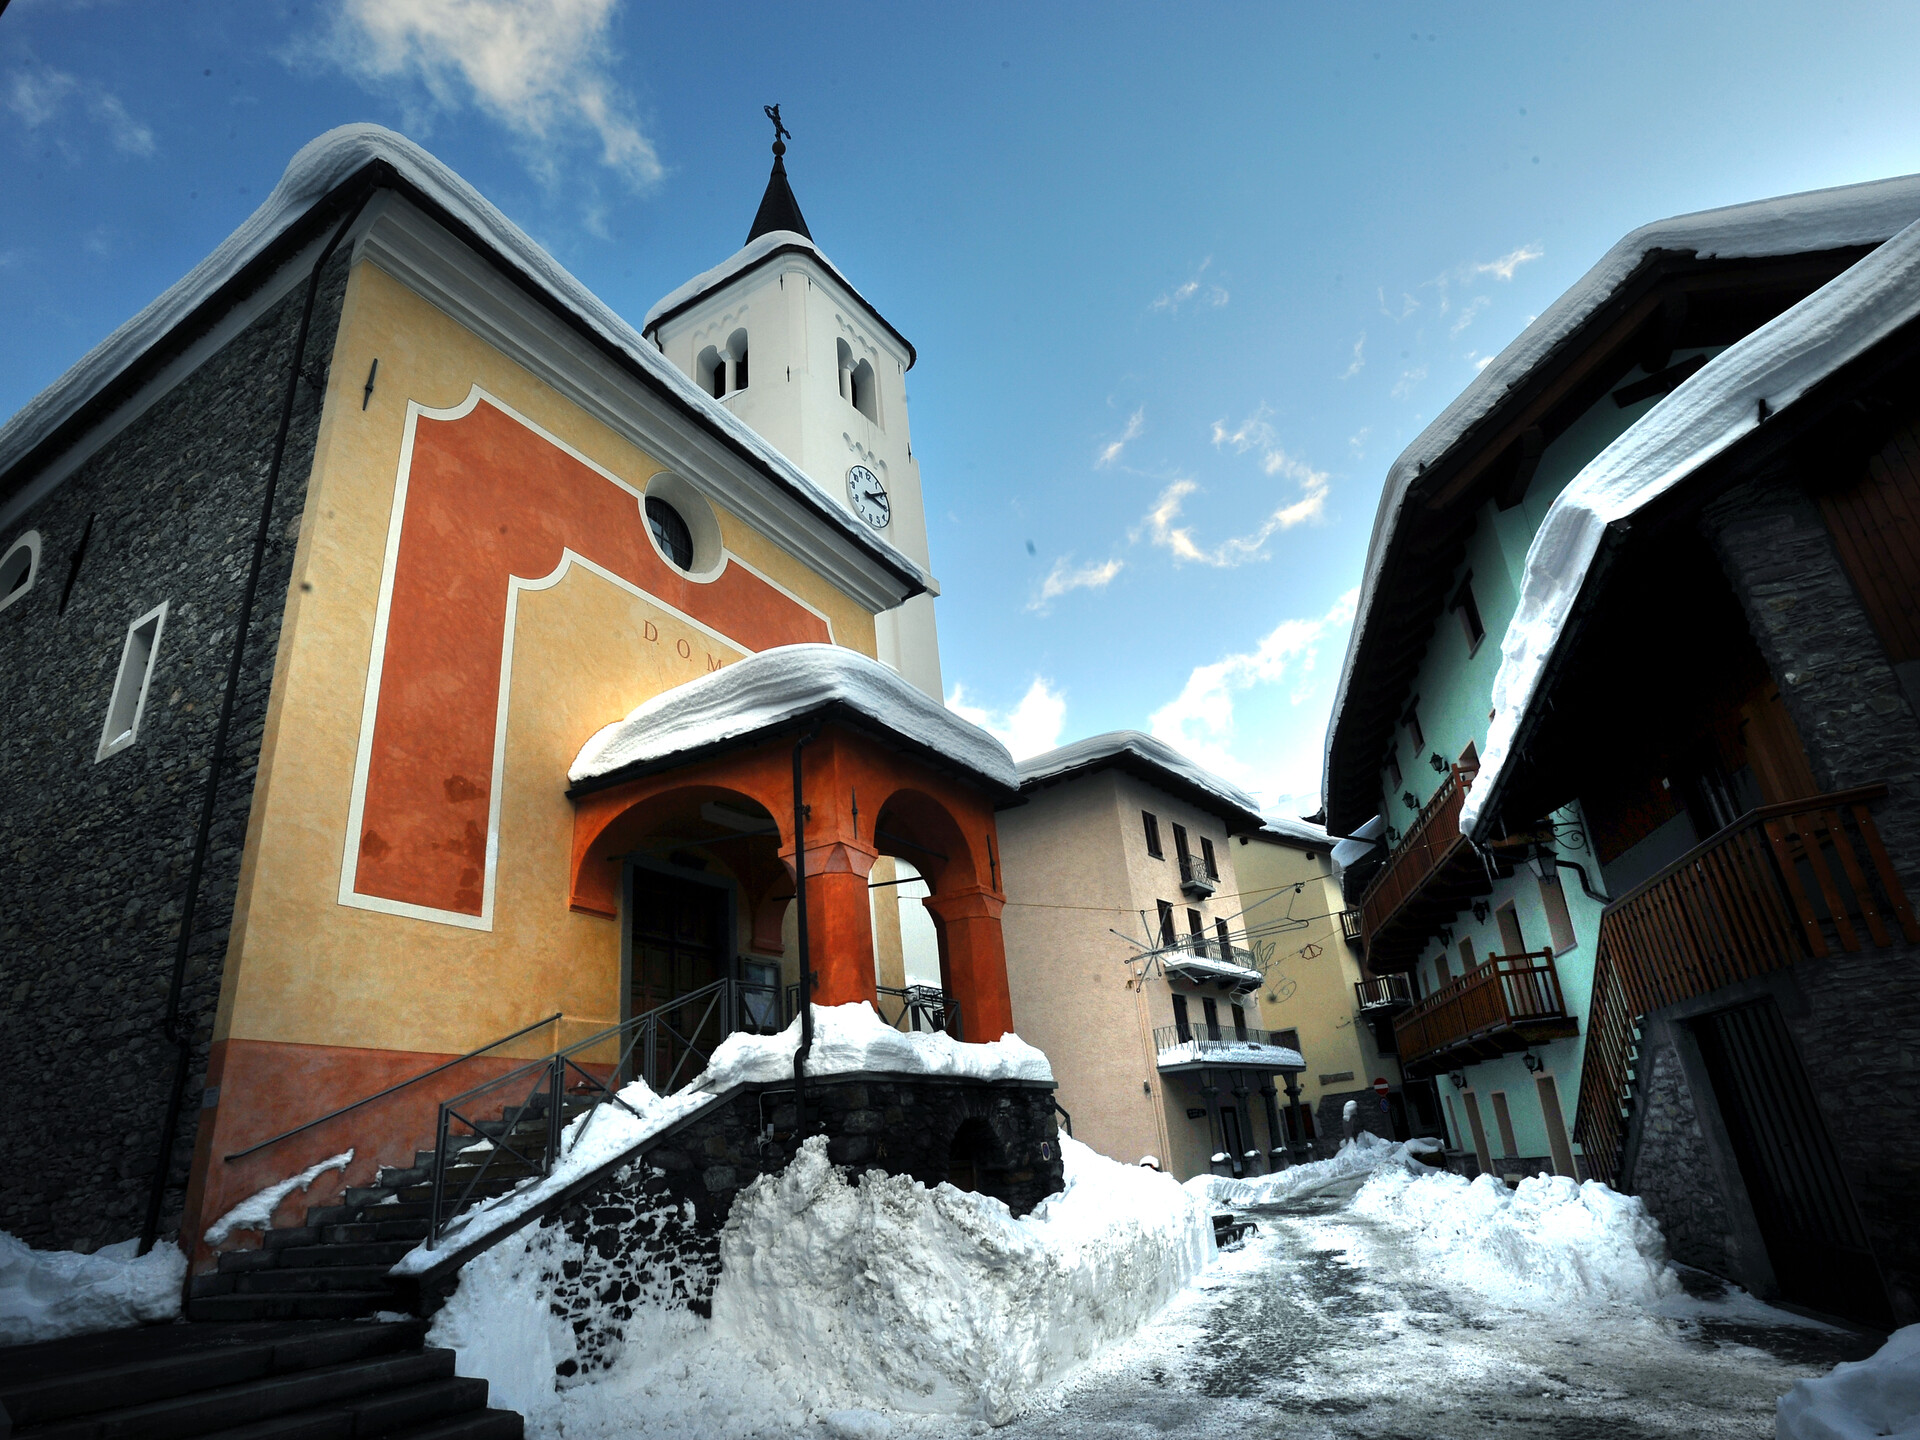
1179 1046
1210 961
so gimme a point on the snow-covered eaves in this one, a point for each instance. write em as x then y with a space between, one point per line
320 182
777 691
1151 760
1844 218
1229 1055
1282 830
757 252
1718 407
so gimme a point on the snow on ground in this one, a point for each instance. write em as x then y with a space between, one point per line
256 1211
1859 1399
1348 1169
47 1294
864 1308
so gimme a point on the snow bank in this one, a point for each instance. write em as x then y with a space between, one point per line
256 1211
1351 1164
47 1294
1142 750
1716 406
850 1039
1859 1399
1540 1246
774 687
843 1304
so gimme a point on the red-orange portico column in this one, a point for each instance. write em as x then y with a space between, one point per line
976 959
840 923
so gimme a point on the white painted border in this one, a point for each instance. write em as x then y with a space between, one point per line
31 540
370 706
110 744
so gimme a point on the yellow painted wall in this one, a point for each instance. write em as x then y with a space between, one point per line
304 968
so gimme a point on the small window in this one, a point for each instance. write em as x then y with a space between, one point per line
1211 1008
1167 935
712 368
737 352
1394 779
1553 900
1183 1027
19 568
1469 613
129 700
1510 936
1221 933
1206 856
1239 1022
1467 962
1197 928
1180 845
1414 733
1440 969
1152 823
860 391
670 531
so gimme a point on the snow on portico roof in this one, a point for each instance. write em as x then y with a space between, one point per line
1711 411
1849 215
1151 759
328 164
764 693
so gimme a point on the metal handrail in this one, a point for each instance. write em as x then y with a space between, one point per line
395 1088
1209 947
1217 1037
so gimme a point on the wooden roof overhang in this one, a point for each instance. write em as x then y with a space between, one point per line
1673 300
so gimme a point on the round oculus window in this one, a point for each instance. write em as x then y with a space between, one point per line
670 532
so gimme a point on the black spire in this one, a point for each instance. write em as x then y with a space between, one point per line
778 209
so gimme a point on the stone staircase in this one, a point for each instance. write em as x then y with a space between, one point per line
334 1266
290 1380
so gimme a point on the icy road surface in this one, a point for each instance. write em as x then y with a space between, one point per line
1323 1325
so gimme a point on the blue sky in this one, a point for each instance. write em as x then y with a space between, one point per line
1183 280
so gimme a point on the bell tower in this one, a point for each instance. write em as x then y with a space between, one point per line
781 338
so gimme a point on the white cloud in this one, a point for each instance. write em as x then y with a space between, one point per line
1509 262
1064 577
1110 452
1254 435
1032 727
1359 361
1200 720
1469 311
536 66
1196 288
1403 387
39 96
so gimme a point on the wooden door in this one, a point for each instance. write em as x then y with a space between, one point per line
681 943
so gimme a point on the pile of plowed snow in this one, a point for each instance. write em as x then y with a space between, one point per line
47 1294
1858 1399
839 1300
1348 1169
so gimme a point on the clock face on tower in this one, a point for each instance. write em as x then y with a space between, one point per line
869 497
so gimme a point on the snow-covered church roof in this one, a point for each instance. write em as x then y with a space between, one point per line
1817 220
768 693
1152 760
1714 409
335 161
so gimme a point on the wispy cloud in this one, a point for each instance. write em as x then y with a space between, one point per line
1509 262
1029 728
1253 435
1404 386
1359 361
1196 289
1066 577
1407 306
39 96
1111 451
538 67
1200 720
1469 311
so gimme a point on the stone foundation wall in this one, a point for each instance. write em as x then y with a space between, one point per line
1673 1170
97 853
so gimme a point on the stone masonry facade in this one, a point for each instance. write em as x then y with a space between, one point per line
1673 1170
97 853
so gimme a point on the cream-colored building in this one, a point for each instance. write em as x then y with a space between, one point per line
1127 962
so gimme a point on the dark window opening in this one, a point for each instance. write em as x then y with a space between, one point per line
1211 1009
971 1157
1510 936
1239 1022
740 371
1167 935
1206 856
1412 721
1469 613
1180 845
1183 1027
1197 928
671 531
1467 962
720 378
1394 779
1152 823
1226 946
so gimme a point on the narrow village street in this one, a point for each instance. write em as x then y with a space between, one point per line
1323 1325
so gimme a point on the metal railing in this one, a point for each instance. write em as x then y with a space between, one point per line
1210 1039
914 1007
1208 947
1383 992
1198 876
1783 883
1505 992
1350 926
1430 842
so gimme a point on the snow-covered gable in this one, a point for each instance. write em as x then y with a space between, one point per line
1714 408
322 166
768 691
1849 215
1155 761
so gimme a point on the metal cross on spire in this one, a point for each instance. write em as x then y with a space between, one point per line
780 131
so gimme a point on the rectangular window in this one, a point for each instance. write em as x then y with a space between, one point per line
1469 612
1197 928
1181 1025
1556 1126
1206 856
1510 936
1152 823
1180 842
1167 935
1221 933
129 700
1467 962
1211 1010
1395 782
1503 1122
1414 733
1239 1022
1440 969
1553 900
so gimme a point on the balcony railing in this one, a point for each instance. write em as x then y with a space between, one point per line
1197 878
1508 1003
1432 847
1383 992
1784 883
1208 960
1350 926
1226 1045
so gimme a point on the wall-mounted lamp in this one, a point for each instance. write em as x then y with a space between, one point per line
1542 861
1459 1079
1438 762
1481 910
1446 935
1533 1063
1410 800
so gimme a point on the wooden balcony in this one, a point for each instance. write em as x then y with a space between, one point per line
1432 875
1508 1003
1785 883
1383 992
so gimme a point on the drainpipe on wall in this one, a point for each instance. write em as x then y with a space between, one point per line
176 1031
